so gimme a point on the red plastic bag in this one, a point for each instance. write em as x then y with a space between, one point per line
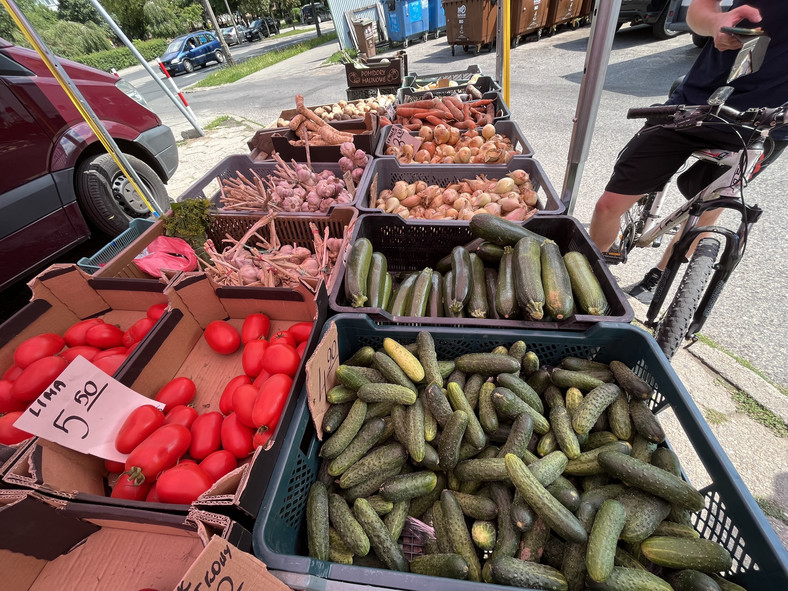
165 252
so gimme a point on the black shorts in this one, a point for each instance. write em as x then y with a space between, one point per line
654 155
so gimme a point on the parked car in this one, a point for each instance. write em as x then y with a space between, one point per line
58 181
187 52
322 11
262 27
657 13
234 35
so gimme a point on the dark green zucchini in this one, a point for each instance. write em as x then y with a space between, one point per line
505 300
559 302
477 303
357 272
400 305
420 293
528 288
500 231
461 279
376 280
491 284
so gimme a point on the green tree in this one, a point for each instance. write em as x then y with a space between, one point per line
70 39
255 7
78 11
129 15
162 19
39 16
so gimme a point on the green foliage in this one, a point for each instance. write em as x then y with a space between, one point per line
190 220
257 8
78 11
129 15
69 39
37 14
163 19
121 57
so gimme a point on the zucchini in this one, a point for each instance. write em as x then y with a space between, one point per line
644 514
443 265
602 541
460 291
483 535
367 437
558 301
357 272
631 579
384 545
505 299
347 526
532 575
337 443
489 252
491 286
380 459
528 277
499 231
585 286
448 284
400 300
405 359
459 535
632 384
317 521
679 553
593 405
451 565
420 293
477 302
404 487
416 443
435 299
385 297
376 281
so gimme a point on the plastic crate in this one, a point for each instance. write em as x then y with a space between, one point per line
502 112
483 84
731 516
509 129
389 171
354 94
411 246
459 76
231 167
116 246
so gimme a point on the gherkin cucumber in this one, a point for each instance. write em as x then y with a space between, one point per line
521 389
363 441
532 575
317 521
362 357
487 415
395 519
428 358
474 432
387 393
379 537
451 565
347 526
509 405
438 403
334 416
408 486
488 364
451 438
460 536
593 405
484 535
392 372
337 443
630 579
602 541
416 443
391 455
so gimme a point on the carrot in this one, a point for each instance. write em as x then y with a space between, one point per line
296 122
422 104
480 103
413 126
440 106
465 124
434 120
466 111
455 107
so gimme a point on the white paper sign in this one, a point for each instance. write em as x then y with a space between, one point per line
83 409
399 136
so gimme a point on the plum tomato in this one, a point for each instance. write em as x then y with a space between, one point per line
12 373
9 435
127 488
301 331
271 400
252 358
85 351
104 336
109 365
137 331
181 415
206 435
38 347
236 437
261 378
182 484
226 400
8 402
282 336
153 497
180 390
222 337
114 467
261 437
244 400
301 348
141 422
37 376
281 358
109 353
218 464
255 326
75 335
161 450
156 310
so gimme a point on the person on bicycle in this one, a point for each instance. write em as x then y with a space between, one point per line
654 155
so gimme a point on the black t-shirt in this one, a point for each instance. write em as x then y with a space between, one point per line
768 87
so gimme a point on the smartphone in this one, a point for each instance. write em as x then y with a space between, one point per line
741 31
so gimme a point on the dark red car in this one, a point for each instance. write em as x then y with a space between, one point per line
57 181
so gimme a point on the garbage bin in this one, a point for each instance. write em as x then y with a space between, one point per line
470 23
527 17
562 12
407 20
437 18
365 37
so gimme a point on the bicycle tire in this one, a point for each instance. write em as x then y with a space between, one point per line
672 330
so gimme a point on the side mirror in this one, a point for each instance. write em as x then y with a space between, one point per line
750 57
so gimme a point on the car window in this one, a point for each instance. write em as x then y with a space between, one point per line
203 39
175 46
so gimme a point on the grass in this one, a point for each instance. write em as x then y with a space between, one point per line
715 417
231 74
217 122
340 57
747 405
772 509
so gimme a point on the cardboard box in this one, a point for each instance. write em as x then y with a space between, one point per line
49 544
377 74
176 348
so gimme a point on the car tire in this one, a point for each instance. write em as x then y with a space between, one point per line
660 28
188 66
219 56
699 40
108 199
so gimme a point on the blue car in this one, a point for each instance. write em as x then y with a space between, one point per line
189 51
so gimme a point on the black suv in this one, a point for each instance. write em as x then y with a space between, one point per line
262 27
657 13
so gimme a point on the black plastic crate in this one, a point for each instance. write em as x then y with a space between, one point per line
502 112
354 94
509 129
483 84
731 517
411 246
389 171
459 76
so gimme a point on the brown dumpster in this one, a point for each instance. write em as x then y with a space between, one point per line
563 12
470 23
527 17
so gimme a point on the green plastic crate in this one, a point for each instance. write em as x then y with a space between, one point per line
136 228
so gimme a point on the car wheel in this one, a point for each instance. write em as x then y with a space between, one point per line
188 66
699 40
219 56
660 29
108 199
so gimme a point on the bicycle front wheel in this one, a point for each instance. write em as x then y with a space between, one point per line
672 331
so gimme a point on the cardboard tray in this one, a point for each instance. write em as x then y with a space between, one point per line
509 129
731 517
389 171
411 246
377 74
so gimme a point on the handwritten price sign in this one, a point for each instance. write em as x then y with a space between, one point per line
83 409
320 378
399 136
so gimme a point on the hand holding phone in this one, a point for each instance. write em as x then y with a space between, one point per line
742 31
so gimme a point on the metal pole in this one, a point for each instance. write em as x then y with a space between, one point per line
600 40
122 36
498 51
503 42
83 107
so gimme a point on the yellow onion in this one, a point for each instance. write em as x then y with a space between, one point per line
441 134
476 142
425 133
492 208
488 131
392 203
400 190
463 155
504 185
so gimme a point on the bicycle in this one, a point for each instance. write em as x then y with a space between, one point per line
643 225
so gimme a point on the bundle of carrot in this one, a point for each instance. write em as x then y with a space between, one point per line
446 110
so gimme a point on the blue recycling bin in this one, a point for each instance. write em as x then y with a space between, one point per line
407 20
437 17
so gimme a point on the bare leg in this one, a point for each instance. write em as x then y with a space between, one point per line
606 220
708 218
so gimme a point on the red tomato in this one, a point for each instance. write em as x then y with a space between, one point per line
12 373
182 484
236 437
127 488
137 331
8 402
37 376
261 437
218 464
156 310
282 336
222 337
252 359
9 435
75 335
226 400
281 358
301 331
243 403
153 497
179 391
109 365
301 348
114 467
181 415
256 326
109 353
104 336
141 422
86 351
206 435
260 379
38 347
161 450
271 401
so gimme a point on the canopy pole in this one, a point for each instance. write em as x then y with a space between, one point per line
600 40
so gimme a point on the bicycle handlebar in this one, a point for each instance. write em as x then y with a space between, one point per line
685 116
